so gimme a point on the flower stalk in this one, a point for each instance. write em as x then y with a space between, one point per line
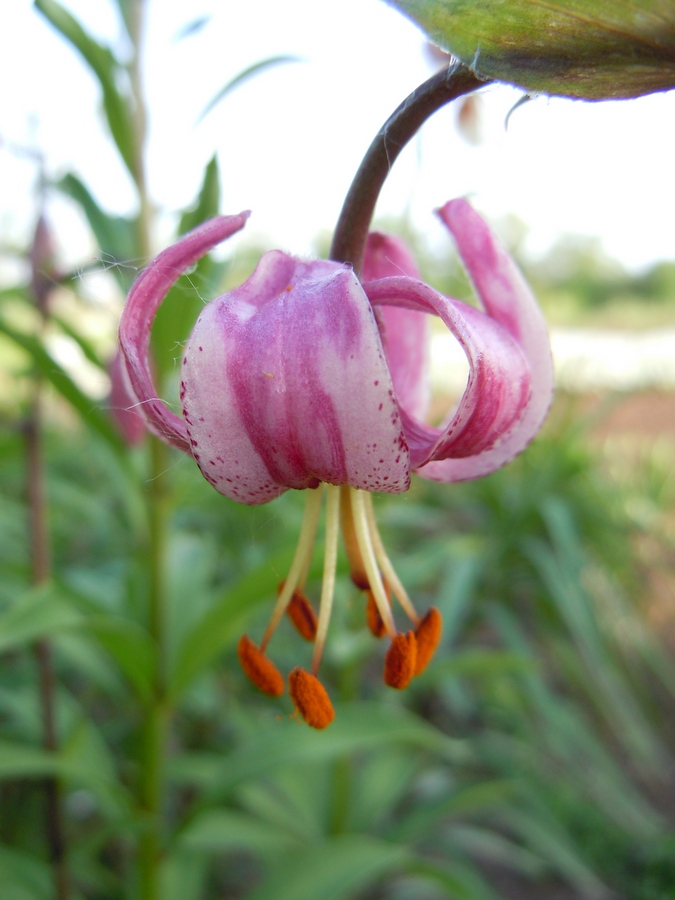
351 231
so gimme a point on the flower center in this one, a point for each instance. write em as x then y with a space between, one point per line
372 572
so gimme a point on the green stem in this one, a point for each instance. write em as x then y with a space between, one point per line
157 719
158 716
351 231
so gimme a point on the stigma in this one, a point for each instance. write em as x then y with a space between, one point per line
351 511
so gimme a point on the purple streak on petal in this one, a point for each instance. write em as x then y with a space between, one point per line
507 298
124 405
145 297
285 384
405 333
498 387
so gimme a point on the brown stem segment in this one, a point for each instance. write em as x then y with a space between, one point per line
41 572
351 231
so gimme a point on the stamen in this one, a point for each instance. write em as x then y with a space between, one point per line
385 564
373 618
356 568
400 661
427 634
310 698
301 614
363 536
258 668
300 564
329 567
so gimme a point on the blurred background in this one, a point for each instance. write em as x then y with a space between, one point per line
534 758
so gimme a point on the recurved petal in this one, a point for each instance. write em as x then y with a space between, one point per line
405 333
497 391
123 404
507 298
285 385
144 299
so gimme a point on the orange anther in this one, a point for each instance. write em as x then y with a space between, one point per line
302 615
428 634
373 617
259 669
310 698
400 661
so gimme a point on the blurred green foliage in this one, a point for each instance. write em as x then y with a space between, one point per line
532 745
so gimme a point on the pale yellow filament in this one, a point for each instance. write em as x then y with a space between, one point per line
364 539
385 563
329 567
301 561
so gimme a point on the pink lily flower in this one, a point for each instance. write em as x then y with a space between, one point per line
305 377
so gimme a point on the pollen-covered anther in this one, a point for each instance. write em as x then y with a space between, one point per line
259 669
311 698
373 618
302 615
400 661
427 634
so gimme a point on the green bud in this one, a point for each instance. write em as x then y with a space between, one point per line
587 49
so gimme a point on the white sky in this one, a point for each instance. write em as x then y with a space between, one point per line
290 141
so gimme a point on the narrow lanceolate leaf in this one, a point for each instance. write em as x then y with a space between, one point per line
40 612
358 728
183 303
46 365
588 49
337 868
115 235
256 69
106 69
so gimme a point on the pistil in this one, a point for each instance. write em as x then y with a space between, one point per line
365 544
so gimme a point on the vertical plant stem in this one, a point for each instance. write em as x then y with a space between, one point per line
157 718
41 572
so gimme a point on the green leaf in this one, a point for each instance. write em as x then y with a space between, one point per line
47 366
23 876
331 870
256 69
106 69
181 306
85 759
131 647
191 28
88 350
459 881
588 49
549 839
483 796
357 727
219 830
115 235
19 760
40 612
222 623
208 200
183 876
